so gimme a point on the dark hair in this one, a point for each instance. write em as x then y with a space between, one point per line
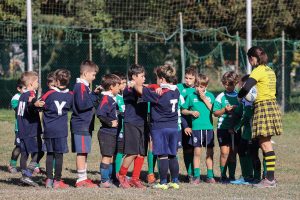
50 77
19 83
202 80
192 70
245 77
135 69
230 78
88 65
110 80
167 72
121 75
63 76
259 54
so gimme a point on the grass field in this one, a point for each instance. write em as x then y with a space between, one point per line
287 173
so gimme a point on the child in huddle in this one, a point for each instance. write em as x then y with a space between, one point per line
200 104
107 135
58 101
223 108
164 124
82 125
16 151
29 126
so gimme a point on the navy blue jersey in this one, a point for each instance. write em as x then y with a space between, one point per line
164 108
135 107
28 116
83 108
107 112
55 118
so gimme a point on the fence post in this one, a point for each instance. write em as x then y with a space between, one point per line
283 72
237 53
29 35
40 66
90 47
136 61
182 48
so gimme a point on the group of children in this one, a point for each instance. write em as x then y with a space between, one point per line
137 120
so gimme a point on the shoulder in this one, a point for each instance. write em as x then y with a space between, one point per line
16 97
47 94
220 97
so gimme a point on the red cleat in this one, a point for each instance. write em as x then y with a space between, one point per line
60 185
123 181
87 183
136 183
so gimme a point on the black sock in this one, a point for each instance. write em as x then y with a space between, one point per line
163 169
49 165
174 168
15 153
23 160
270 163
58 165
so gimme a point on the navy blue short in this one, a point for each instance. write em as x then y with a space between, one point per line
202 138
164 141
31 145
81 143
56 145
107 143
120 143
136 139
224 138
179 143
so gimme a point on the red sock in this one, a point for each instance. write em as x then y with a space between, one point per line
123 171
138 164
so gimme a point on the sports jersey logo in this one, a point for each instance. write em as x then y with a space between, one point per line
195 100
209 99
195 139
121 135
60 106
21 108
226 102
184 91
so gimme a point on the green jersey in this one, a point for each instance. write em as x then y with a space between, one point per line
121 106
185 90
246 109
180 104
195 103
223 99
14 104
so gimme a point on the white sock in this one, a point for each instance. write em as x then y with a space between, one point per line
82 175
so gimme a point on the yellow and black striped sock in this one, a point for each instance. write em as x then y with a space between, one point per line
270 163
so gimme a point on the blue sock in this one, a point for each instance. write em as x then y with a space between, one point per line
163 170
104 171
174 168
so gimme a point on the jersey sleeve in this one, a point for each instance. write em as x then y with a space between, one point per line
103 111
187 103
82 99
256 74
217 104
149 95
15 101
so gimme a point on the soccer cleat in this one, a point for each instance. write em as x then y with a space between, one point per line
173 185
160 186
190 179
210 180
28 181
196 181
49 183
240 181
224 180
265 183
136 183
107 184
123 181
27 173
87 183
12 169
151 178
60 185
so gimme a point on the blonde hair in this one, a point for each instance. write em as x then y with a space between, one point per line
167 72
88 65
28 77
202 80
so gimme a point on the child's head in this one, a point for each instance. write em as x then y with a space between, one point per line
51 80
123 78
136 73
111 82
202 82
243 80
30 80
229 80
63 77
20 86
190 76
165 74
88 70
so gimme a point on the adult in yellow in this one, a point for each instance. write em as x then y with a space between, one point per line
267 118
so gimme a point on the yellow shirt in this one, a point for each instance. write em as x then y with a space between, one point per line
266 82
